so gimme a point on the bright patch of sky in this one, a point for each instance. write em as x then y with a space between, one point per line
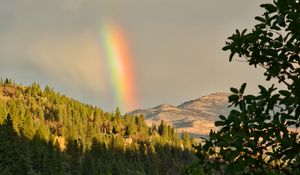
176 46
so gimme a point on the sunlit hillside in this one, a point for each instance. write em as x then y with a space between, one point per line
44 132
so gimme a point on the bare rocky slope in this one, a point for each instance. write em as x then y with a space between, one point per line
197 116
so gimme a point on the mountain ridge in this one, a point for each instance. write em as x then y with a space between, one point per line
196 116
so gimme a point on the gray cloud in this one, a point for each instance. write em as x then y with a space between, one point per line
176 46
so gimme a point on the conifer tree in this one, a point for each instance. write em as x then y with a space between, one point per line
13 159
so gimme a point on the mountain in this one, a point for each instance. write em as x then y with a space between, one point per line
44 132
197 116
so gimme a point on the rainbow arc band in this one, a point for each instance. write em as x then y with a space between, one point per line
120 66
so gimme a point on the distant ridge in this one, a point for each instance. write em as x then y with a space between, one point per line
197 116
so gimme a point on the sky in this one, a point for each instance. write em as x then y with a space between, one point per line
174 46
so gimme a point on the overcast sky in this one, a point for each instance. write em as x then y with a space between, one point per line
176 46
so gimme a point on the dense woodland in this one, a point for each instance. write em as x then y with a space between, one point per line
44 132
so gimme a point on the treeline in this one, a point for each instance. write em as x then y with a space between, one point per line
44 132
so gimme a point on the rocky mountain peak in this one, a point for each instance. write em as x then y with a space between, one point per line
195 116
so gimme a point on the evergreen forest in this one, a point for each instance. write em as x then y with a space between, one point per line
45 133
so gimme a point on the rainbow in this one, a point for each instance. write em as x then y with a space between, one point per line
118 59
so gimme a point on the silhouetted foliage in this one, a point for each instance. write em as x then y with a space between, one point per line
260 135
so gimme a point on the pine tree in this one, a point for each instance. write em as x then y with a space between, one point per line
75 151
13 157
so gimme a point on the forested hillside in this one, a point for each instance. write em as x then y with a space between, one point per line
44 132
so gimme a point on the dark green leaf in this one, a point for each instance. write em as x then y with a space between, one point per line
243 88
249 97
234 90
222 117
226 47
220 123
270 7
258 18
233 98
244 31
285 93
231 56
